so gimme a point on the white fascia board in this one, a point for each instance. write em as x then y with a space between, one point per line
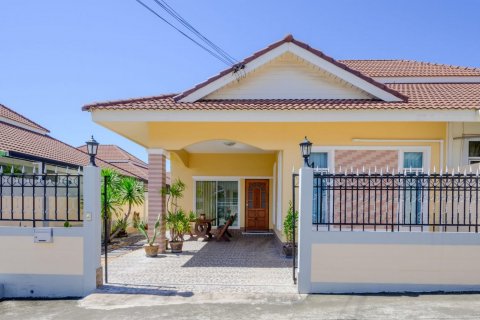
343 74
285 116
427 79
230 77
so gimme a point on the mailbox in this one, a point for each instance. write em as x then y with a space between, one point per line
42 235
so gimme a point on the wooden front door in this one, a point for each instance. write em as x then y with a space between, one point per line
256 207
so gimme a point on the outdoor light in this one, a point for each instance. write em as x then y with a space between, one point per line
306 149
92 148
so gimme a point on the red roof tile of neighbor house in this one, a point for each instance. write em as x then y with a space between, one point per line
13 116
408 68
119 157
421 96
26 142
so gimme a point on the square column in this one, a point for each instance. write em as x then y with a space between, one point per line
157 173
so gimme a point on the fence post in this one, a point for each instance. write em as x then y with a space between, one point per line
305 233
92 271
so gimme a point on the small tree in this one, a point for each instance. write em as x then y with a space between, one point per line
110 200
131 192
176 220
290 219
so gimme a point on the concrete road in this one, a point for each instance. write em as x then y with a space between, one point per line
239 306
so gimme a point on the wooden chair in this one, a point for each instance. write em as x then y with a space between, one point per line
222 233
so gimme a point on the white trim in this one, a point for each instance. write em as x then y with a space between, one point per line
158 151
217 180
23 126
279 190
229 178
252 116
466 79
331 152
439 141
274 194
466 158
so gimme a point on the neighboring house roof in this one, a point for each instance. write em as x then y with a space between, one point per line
421 96
119 157
12 117
19 141
448 91
408 68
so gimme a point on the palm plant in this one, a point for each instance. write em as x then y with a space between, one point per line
178 223
109 201
130 192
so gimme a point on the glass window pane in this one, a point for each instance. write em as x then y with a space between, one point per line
413 160
319 159
227 201
474 148
206 199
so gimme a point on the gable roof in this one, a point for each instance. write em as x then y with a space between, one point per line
226 75
121 158
409 68
10 116
439 96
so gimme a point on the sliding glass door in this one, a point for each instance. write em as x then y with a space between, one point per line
217 200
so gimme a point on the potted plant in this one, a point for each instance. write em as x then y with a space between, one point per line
178 223
290 220
151 247
192 218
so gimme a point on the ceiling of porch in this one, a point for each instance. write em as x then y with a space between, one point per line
223 146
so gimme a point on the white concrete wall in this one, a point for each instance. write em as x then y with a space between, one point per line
370 262
66 267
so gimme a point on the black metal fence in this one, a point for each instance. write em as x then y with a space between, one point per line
406 201
31 198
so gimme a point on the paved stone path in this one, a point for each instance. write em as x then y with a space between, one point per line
247 264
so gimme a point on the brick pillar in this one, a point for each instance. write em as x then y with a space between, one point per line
156 202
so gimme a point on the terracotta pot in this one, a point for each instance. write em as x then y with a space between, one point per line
151 250
176 246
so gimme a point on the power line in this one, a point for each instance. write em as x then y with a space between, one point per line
223 57
165 6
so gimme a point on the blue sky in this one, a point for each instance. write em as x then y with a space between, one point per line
56 56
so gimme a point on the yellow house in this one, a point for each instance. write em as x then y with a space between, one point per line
234 139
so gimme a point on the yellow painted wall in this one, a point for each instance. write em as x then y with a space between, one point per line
175 136
218 165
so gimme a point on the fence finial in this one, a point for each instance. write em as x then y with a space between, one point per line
434 169
340 169
477 172
387 168
446 169
453 171
333 170
23 169
369 171
410 169
1 169
375 169
381 171
56 169
357 171
351 169
441 171
393 171
465 172
470 169
11 169
458 168
363 169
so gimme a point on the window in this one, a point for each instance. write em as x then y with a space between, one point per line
320 161
473 151
413 189
217 200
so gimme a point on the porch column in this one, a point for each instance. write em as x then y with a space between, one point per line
157 173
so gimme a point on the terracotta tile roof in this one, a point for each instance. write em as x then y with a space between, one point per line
119 157
408 68
289 38
420 96
11 115
19 140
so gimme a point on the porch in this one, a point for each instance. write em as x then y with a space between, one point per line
246 264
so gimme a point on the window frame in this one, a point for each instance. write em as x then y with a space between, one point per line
466 151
